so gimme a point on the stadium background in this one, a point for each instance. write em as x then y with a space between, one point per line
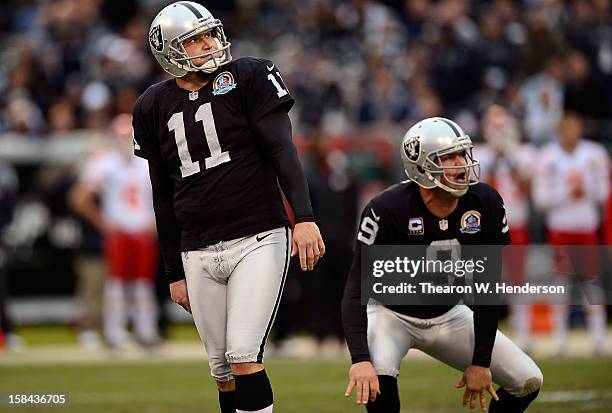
362 72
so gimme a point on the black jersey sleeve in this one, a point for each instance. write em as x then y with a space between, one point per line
274 134
486 317
266 91
500 227
145 145
375 227
168 231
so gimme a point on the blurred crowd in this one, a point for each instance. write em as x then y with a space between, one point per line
69 64
529 80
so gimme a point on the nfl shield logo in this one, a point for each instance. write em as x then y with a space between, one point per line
193 95
443 224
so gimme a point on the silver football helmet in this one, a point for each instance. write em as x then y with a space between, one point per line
423 146
175 24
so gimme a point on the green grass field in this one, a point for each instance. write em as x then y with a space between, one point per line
157 384
160 386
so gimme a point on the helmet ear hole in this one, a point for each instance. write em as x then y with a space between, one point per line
420 169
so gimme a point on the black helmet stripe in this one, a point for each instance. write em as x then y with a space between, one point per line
193 9
452 127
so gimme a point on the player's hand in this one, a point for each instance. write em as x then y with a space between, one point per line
576 185
477 381
363 377
178 294
307 242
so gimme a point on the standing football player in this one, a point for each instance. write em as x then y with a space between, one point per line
218 141
442 202
571 186
507 165
125 220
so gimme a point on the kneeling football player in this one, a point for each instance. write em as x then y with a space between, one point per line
444 196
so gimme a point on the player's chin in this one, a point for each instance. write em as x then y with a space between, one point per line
456 182
201 61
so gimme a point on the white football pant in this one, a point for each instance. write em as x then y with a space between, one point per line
234 290
450 339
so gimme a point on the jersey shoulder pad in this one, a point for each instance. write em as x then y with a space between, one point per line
593 147
105 159
243 69
395 199
149 97
485 194
249 64
550 149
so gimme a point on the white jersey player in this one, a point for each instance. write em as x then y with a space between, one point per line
125 218
507 165
571 184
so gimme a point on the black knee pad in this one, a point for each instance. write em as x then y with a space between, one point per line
508 403
253 391
227 401
388 400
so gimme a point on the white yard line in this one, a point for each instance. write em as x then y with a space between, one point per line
574 396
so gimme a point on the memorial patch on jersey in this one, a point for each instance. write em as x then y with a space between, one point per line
470 222
156 39
223 83
415 226
412 148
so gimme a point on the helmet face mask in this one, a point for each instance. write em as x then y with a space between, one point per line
181 58
439 173
424 149
179 22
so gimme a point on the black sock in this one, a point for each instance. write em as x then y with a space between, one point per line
510 404
253 392
227 401
388 400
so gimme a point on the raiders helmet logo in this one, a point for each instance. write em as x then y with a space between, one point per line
156 39
412 148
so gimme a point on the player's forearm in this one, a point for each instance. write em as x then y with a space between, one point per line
354 317
168 231
274 132
486 318
294 185
598 189
82 201
547 194
355 330
169 241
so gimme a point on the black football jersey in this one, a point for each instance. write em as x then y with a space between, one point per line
223 188
398 216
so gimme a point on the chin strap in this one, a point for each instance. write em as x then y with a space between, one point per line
454 192
209 67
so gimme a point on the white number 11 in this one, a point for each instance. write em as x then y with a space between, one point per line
280 92
217 157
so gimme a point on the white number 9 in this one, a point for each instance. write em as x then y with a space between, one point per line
370 228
